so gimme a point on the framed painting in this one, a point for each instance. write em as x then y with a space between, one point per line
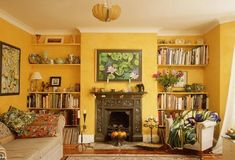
10 69
55 81
118 65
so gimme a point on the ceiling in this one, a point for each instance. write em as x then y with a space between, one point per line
166 17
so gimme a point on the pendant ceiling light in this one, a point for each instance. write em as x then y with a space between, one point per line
105 11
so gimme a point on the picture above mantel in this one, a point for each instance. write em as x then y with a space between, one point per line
118 65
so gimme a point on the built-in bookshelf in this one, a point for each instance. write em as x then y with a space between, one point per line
56 56
170 103
183 55
186 57
66 103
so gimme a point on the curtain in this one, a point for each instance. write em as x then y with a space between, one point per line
229 115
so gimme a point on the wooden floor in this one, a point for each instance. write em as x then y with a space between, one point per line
74 149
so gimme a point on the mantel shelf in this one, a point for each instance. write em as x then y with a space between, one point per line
119 93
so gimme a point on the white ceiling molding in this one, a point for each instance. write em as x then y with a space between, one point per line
118 30
226 19
6 16
210 27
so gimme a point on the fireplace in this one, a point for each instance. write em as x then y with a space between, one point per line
119 118
118 108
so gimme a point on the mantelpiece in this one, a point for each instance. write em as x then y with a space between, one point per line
129 103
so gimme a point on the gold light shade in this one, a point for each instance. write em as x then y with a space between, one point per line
105 13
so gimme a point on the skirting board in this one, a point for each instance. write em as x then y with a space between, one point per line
89 138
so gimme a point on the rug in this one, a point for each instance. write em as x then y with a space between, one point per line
132 157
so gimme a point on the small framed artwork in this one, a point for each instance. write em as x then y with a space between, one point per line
118 65
183 80
55 81
54 40
9 69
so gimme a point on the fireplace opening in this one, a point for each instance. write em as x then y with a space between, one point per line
119 121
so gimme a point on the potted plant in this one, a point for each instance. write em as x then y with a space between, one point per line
167 78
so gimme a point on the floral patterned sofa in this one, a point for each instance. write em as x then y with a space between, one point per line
42 139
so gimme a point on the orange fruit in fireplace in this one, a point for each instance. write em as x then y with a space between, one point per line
121 134
114 134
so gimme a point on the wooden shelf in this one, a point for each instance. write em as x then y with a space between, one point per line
181 45
68 125
55 44
59 109
54 92
182 93
175 65
55 65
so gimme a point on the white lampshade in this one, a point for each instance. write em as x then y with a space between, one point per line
36 76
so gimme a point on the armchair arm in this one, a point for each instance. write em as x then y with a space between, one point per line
206 124
60 125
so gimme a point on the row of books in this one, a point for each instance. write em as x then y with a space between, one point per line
71 135
72 117
183 56
172 102
162 115
53 101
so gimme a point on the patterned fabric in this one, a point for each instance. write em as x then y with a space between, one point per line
3 155
183 129
17 120
5 134
4 130
45 125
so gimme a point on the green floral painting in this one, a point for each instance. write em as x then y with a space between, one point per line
119 65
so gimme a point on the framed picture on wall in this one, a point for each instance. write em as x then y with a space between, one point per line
10 69
183 80
55 81
118 65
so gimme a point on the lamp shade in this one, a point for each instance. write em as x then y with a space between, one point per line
105 13
36 76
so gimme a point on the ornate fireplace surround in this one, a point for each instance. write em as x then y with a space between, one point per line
129 103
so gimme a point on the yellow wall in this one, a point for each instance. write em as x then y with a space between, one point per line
92 41
21 39
227 43
212 72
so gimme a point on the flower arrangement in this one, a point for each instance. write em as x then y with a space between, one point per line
118 134
168 78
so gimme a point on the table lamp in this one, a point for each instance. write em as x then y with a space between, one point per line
34 78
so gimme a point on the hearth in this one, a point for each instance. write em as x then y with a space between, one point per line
118 108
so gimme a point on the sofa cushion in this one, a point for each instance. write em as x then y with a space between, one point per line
5 134
30 148
44 125
16 119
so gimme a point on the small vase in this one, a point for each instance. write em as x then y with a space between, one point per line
167 88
